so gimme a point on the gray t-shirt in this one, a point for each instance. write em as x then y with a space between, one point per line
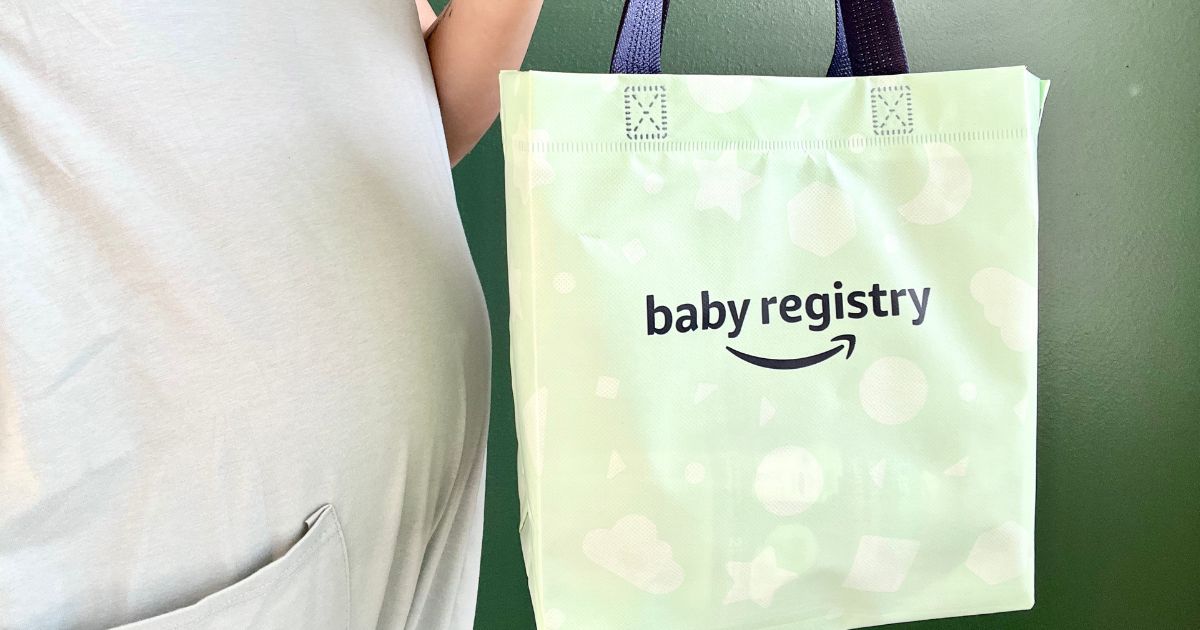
243 350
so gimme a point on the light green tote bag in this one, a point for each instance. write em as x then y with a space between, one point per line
773 338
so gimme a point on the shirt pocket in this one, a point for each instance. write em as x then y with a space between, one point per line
307 587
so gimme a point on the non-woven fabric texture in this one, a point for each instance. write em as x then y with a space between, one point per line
773 346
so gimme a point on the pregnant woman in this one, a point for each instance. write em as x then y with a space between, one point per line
243 349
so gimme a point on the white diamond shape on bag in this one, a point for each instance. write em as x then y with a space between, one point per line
881 564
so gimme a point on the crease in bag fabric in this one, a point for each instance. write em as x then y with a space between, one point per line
773 338
234 288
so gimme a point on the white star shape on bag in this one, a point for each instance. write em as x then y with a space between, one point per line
722 184
757 580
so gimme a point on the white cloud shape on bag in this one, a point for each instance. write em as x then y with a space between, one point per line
1010 304
633 551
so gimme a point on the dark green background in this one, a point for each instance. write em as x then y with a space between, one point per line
1118 508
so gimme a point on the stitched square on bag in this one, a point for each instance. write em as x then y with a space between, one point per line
646 112
891 110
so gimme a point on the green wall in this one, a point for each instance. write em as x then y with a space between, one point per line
1118 520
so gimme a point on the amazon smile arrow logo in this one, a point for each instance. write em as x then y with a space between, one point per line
799 362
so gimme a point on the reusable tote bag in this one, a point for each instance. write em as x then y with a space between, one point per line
773 339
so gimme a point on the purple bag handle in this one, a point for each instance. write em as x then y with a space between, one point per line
867 39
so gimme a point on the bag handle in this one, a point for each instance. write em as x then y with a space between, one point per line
867 39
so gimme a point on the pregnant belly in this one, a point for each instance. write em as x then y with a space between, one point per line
201 404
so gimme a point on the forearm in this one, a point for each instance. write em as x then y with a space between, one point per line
471 42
